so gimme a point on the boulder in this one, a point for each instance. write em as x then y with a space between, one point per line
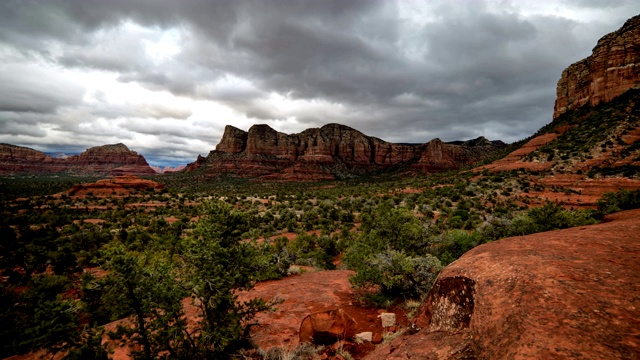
365 336
561 294
387 319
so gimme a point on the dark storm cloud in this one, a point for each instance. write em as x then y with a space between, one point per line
403 71
12 125
23 89
163 128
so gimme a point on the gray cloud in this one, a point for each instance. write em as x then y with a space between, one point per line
403 71
41 90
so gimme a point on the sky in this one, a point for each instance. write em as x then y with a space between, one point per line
164 77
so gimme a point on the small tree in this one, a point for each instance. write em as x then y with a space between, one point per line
220 265
146 286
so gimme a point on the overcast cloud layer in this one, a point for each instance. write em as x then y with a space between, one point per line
165 76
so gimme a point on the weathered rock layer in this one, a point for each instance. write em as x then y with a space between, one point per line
114 159
612 68
329 152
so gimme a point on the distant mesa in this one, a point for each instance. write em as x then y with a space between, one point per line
59 155
107 160
167 169
330 152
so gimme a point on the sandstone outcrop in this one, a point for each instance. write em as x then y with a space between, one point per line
612 69
117 186
332 151
562 294
111 160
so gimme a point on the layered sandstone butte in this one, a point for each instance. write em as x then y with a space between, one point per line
556 295
332 151
23 160
612 68
114 159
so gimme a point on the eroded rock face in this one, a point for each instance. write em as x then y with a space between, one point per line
234 140
561 294
113 160
612 68
449 306
332 151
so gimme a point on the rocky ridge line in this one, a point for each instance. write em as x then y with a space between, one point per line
113 160
330 152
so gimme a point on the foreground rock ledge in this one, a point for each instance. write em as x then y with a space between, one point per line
562 294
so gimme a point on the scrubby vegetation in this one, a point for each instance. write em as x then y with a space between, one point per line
593 131
72 264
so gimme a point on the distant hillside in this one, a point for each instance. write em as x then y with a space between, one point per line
599 141
593 144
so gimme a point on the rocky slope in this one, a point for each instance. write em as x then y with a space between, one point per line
114 160
612 69
561 294
332 151
592 146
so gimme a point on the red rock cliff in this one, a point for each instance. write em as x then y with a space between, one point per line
612 68
23 160
328 152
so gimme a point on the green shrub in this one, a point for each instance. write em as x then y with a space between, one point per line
451 245
393 274
617 201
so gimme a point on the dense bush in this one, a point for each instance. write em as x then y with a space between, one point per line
616 201
392 274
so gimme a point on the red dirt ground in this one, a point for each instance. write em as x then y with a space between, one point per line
583 192
512 161
308 293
